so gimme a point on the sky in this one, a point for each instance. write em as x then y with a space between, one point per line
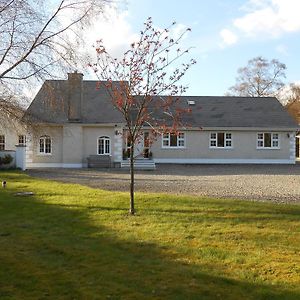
225 35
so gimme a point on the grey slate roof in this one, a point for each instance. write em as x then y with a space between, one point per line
251 112
51 106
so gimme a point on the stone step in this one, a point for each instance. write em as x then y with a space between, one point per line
140 164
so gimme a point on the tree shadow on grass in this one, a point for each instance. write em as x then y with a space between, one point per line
54 252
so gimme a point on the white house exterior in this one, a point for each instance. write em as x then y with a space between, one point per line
75 121
294 109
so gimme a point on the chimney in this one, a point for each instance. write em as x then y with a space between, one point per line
75 96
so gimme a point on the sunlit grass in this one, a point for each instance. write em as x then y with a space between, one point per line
73 242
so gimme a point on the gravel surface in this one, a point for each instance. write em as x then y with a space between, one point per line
276 183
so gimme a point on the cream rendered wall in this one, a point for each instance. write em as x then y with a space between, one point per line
90 141
12 135
244 147
72 147
56 157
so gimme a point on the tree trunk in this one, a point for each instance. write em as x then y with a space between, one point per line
131 210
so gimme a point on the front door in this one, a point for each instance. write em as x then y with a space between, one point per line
298 147
142 147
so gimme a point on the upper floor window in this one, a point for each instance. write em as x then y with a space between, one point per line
220 140
268 140
2 142
22 140
45 146
104 145
172 140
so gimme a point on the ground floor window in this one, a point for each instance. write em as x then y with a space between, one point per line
45 145
267 140
172 140
104 145
2 142
220 140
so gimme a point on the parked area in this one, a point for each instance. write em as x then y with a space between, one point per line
276 183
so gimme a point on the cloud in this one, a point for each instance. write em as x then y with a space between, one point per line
228 37
114 30
263 19
282 49
269 17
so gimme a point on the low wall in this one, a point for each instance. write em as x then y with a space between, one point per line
11 153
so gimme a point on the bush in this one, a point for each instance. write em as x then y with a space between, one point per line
147 153
6 160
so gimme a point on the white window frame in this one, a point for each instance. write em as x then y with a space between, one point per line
213 138
22 140
105 140
44 138
260 140
166 141
2 142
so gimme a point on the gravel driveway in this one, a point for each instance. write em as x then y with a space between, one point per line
276 183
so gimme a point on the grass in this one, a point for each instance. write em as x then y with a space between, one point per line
73 242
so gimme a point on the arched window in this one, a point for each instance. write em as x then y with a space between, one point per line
45 146
104 145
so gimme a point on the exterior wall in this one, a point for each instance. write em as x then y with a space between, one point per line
35 159
243 149
73 143
72 146
90 142
12 136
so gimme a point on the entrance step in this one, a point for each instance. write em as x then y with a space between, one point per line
139 164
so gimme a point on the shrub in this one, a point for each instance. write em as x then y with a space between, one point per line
6 160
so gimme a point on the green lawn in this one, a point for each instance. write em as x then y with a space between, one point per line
73 242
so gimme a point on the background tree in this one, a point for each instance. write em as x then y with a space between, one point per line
37 40
260 78
144 73
293 101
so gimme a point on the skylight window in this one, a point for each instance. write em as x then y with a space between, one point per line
191 102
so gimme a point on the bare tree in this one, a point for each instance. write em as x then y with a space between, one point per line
294 93
36 40
260 78
148 70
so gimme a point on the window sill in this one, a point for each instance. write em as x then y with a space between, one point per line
172 148
221 148
44 154
267 148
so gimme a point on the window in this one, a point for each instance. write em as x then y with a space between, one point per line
268 140
220 140
171 140
2 142
45 145
22 140
103 145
